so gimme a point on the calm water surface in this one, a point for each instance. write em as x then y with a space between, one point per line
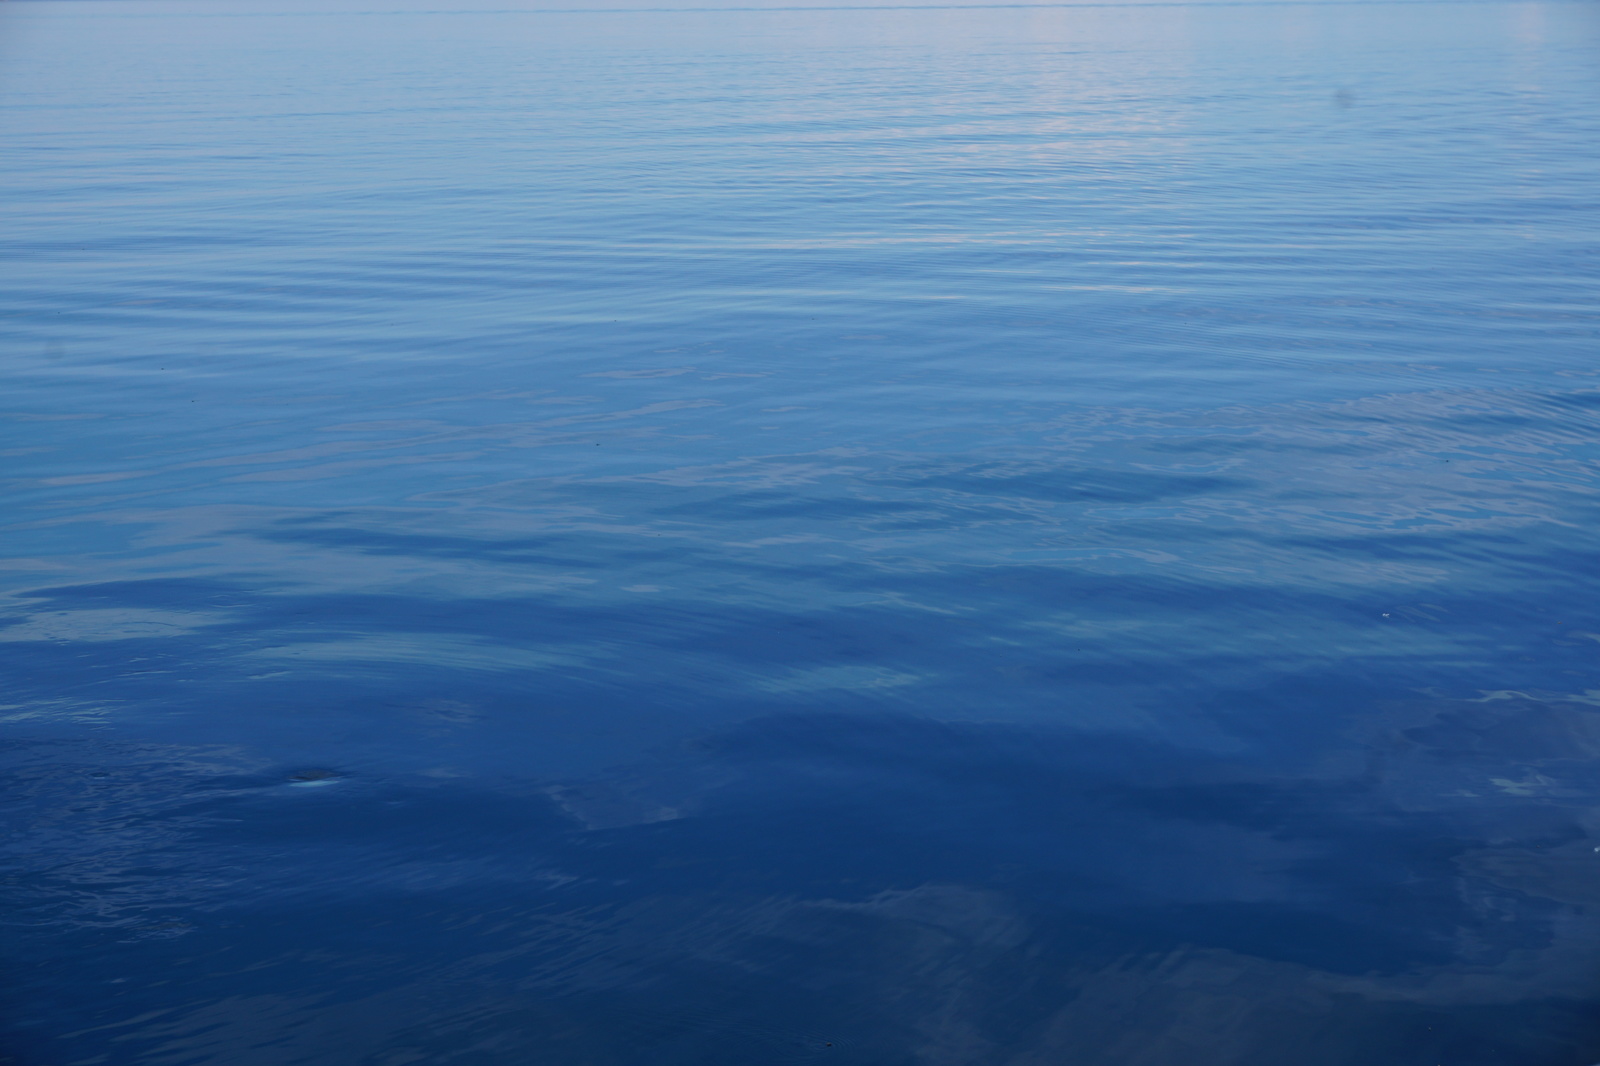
921 537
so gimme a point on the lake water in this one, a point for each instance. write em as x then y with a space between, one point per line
924 536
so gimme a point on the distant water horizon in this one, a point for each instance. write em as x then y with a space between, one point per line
898 535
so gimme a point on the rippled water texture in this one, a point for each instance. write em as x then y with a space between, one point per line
927 537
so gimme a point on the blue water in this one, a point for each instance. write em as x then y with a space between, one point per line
896 536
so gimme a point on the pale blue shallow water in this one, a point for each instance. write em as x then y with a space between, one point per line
900 537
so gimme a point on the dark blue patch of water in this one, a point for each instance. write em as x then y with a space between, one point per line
1007 535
